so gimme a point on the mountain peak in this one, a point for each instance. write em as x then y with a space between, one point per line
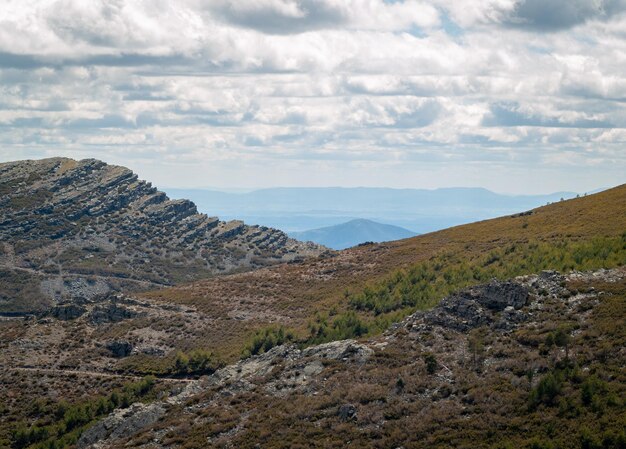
352 233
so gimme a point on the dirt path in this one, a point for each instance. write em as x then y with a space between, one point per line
144 284
69 372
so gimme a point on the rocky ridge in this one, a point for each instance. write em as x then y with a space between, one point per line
72 231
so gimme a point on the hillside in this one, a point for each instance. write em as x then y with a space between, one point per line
75 230
532 362
481 353
583 233
419 210
536 362
351 293
352 233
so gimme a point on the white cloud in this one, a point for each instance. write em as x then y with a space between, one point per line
298 16
303 84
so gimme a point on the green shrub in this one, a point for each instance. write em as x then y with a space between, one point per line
68 421
431 363
591 387
196 362
343 326
547 390
265 339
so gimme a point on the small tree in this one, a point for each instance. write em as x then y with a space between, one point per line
546 390
476 345
562 339
431 363
399 385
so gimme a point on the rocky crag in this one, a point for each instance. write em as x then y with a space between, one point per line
72 231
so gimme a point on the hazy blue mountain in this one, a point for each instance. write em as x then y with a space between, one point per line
352 233
419 210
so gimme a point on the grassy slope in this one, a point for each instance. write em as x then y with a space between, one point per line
292 294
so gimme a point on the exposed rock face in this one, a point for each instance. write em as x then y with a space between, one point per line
121 423
497 296
495 303
79 229
340 350
120 349
110 313
300 367
67 312
347 412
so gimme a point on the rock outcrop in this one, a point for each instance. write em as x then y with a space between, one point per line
285 368
120 349
110 312
495 304
67 312
81 229
347 412
300 366
121 423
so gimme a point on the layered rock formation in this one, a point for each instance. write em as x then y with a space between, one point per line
74 230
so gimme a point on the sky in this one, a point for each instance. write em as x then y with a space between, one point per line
518 96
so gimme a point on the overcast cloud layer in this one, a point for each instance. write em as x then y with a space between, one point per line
513 95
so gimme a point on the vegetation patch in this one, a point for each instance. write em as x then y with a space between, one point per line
423 285
60 425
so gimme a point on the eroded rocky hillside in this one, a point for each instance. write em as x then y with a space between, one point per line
536 361
74 230
531 362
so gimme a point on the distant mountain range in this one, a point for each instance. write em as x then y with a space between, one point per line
352 233
418 210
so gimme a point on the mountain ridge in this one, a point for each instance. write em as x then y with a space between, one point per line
419 210
79 229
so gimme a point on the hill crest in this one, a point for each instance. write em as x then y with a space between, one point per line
72 230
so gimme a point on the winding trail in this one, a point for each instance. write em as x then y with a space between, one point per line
143 283
68 372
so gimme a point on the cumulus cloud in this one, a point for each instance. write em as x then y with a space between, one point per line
562 14
297 85
534 15
299 16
